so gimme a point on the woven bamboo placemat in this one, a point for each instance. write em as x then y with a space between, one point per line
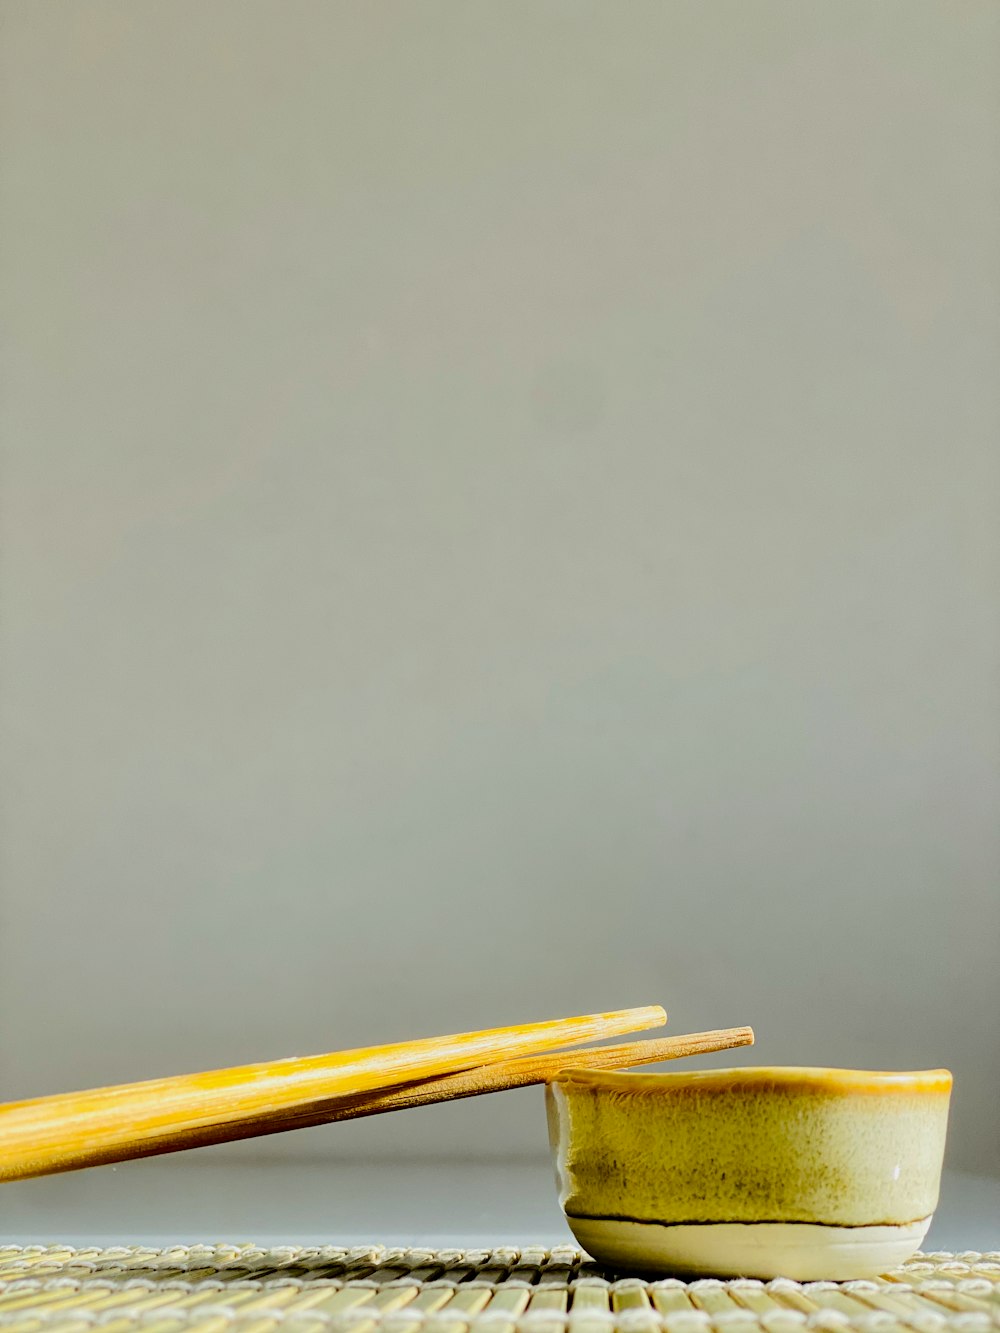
370 1289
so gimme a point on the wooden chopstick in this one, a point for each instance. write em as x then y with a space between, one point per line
518 1073
71 1130
500 1077
541 1068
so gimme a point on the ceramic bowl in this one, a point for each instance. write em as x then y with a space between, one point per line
802 1173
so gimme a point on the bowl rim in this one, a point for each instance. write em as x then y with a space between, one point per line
801 1078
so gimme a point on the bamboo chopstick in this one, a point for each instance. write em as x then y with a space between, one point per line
509 1074
541 1068
71 1130
500 1077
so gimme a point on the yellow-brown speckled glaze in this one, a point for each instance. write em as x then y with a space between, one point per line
834 1147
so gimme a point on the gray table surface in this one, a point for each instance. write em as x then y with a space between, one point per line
207 1197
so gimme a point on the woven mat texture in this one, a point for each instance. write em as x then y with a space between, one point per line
370 1289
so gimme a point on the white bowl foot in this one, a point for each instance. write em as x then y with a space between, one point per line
804 1251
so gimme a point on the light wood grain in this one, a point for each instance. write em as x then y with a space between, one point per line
511 1074
541 1068
71 1130
501 1077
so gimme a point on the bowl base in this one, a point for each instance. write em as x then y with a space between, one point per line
804 1251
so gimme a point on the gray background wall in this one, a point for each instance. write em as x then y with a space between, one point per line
499 520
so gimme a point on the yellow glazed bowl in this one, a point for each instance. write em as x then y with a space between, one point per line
801 1173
